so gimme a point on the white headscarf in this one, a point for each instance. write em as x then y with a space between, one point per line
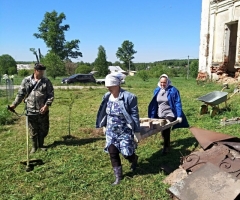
114 79
163 90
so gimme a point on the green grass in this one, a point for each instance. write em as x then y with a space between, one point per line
77 168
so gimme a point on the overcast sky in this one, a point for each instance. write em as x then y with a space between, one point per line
159 29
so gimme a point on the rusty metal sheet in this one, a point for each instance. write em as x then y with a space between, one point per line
219 155
206 137
207 183
233 145
231 166
197 159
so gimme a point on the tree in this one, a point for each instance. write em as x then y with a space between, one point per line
7 65
24 72
100 63
193 68
83 69
54 65
70 67
143 74
52 33
125 53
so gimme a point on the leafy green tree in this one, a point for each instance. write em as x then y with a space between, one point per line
143 74
52 33
116 63
24 72
125 53
100 63
193 69
54 65
7 65
83 69
35 53
70 67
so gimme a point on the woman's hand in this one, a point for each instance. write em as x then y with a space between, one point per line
137 136
179 119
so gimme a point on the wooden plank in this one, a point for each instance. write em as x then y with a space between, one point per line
225 121
151 127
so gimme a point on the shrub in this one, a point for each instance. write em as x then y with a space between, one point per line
83 69
143 74
5 116
25 72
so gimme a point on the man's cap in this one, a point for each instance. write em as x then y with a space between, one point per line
39 66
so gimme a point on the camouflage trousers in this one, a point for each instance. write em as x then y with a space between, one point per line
38 125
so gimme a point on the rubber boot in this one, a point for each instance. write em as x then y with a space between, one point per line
166 143
41 142
118 174
34 145
134 163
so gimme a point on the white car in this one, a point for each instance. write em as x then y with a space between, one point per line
102 81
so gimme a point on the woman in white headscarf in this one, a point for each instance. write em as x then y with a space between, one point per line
166 104
118 112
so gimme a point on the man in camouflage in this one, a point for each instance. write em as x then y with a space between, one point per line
37 93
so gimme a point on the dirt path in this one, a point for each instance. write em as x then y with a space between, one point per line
60 87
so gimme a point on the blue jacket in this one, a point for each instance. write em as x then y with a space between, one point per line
175 104
128 105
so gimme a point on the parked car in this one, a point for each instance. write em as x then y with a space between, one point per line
79 78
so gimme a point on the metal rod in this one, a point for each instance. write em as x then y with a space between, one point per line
27 139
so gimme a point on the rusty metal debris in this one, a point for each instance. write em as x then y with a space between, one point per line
206 138
212 172
232 145
197 159
219 155
209 182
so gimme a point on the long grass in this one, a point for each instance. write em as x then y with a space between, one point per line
75 166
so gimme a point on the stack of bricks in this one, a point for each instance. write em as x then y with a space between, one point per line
202 76
147 124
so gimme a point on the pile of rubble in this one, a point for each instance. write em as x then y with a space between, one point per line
210 173
220 73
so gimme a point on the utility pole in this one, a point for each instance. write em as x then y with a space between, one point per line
188 68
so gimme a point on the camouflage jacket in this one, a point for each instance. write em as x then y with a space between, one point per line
35 95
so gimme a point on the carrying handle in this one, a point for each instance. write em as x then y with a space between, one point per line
233 94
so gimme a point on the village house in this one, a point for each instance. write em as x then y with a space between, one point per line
219 51
116 69
24 66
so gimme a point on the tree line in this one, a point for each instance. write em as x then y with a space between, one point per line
60 52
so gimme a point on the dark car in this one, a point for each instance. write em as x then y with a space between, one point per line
79 78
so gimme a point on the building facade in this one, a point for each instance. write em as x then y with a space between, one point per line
219 51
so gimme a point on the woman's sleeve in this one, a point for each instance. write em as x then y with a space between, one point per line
178 104
134 112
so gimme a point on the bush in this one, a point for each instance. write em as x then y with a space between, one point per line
193 69
143 74
24 72
5 116
83 69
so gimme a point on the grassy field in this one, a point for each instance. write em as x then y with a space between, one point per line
77 168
